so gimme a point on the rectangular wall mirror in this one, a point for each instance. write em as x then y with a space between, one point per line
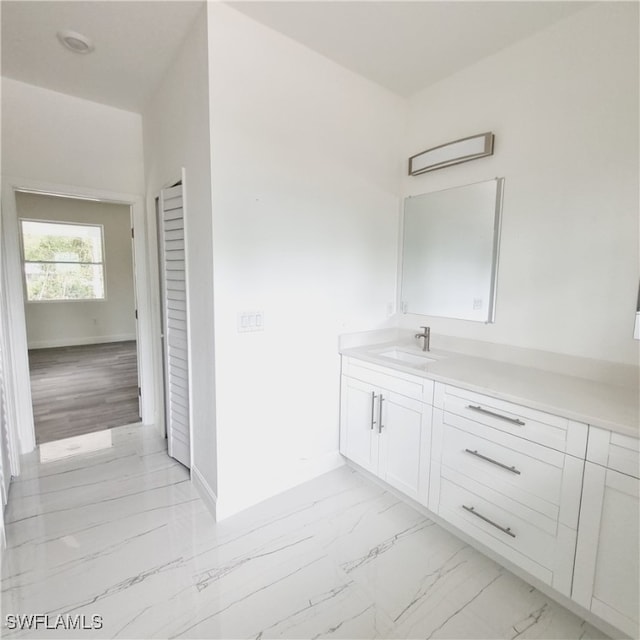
636 329
450 251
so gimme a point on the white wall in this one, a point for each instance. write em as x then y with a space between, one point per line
564 107
306 172
176 135
55 138
63 323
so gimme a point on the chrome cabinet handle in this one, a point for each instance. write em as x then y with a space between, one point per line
495 415
506 530
492 461
380 425
373 408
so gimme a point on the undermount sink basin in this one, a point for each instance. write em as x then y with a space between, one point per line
412 359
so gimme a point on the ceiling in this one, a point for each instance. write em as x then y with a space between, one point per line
134 44
403 46
406 46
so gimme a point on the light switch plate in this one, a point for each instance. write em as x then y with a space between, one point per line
250 321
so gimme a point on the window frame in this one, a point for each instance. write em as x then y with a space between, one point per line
24 261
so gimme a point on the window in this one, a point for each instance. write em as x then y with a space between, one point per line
62 261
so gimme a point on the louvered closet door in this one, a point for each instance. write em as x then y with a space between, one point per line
176 351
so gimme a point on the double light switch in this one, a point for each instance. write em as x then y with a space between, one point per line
250 321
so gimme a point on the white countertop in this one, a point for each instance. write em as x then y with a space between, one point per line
597 403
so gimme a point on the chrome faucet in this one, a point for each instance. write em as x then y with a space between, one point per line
427 338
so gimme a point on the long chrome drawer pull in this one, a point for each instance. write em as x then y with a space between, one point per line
380 425
492 461
491 522
495 415
373 408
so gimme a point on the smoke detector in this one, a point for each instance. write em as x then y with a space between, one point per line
75 41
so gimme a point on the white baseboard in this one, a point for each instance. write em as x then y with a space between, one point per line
287 478
74 342
205 491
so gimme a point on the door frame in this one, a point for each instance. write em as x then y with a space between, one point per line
22 432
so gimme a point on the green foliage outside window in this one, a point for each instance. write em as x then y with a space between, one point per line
62 261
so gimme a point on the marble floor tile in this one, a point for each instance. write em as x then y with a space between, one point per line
121 533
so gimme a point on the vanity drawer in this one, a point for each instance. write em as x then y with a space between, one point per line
537 477
614 451
523 537
468 409
381 377
520 470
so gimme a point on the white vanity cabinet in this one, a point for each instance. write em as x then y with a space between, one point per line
386 425
607 576
553 497
511 478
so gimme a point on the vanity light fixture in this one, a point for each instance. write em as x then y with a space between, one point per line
75 41
455 152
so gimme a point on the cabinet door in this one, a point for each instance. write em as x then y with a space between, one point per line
606 573
359 426
405 434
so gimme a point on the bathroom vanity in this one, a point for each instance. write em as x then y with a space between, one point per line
536 468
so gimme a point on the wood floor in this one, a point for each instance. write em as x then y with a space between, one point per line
81 389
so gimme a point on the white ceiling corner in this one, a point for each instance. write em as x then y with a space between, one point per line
407 45
401 45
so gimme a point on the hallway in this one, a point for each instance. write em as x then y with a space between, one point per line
120 533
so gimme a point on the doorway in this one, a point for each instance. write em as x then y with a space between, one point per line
21 433
80 314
